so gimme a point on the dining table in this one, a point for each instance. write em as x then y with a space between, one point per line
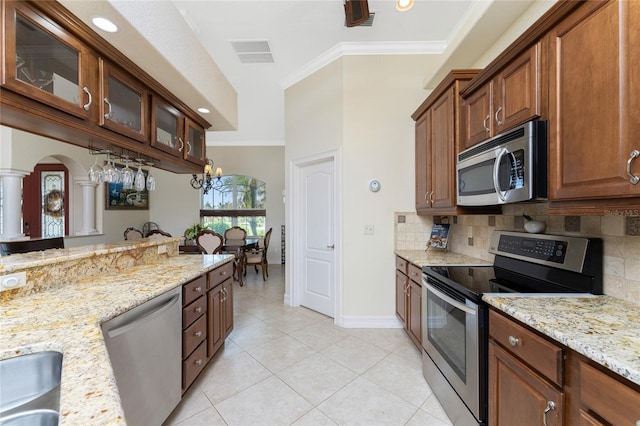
239 250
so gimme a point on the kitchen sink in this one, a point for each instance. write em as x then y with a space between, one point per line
31 418
30 388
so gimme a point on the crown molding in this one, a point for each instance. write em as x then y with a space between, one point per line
366 48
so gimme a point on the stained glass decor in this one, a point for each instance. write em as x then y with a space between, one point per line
52 184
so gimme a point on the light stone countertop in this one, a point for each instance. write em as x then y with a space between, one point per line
602 328
68 319
440 258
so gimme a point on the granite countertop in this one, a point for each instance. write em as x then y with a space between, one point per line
68 320
440 258
602 328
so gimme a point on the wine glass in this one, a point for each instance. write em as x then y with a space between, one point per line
96 173
127 175
110 173
151 181
139 181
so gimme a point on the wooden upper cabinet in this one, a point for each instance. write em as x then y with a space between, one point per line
61 80
194 142
594 105
423 161
513 96
44 62
123 103
437 142
167 127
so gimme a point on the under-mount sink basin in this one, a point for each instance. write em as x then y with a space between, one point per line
30 382
31 418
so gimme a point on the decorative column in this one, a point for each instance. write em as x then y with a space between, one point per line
12 204
88 207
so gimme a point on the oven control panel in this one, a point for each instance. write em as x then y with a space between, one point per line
535 248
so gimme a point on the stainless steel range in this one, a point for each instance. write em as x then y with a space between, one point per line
455 319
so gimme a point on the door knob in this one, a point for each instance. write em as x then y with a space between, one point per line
332 246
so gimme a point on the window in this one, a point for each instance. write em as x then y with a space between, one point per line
235 201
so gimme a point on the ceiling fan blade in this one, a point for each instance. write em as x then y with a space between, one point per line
356 12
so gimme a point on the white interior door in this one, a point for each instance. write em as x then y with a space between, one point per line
317 240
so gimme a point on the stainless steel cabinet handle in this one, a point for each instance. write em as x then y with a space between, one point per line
550 406
181 145
484 123
197 289
88 104
632 178
189 147
110 113
198 333
431 197
497 119
198 361
405 288
514 341
198 309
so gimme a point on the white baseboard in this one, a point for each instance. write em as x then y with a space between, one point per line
287 299
368 322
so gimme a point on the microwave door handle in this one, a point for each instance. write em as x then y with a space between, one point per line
496 174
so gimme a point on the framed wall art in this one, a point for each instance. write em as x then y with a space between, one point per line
118 198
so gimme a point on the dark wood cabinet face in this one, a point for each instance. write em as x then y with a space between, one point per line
166 127
44 62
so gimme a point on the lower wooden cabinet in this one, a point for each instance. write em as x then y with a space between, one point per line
532 377
409 298
220 315
606 398
207 319
519 395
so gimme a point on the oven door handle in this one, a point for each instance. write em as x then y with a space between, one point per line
456 304
496 174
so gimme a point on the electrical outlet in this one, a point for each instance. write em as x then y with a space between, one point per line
368 230
162 249
11 281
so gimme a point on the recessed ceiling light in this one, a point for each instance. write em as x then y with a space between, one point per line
404 5
204 110
104 24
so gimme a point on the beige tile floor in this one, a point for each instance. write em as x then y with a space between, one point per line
291 366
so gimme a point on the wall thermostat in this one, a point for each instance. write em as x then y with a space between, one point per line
374 185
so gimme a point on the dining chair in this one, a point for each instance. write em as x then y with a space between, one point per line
209 242
258 256
235 236
132 233
157 233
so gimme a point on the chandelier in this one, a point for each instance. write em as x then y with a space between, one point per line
206 181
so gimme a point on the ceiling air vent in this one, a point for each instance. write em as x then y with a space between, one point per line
253 51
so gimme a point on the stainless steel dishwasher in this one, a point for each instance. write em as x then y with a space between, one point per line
145 348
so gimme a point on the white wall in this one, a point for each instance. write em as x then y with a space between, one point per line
362 105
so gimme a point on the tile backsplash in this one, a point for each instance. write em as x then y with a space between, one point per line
470 235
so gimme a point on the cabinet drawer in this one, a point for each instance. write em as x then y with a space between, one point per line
220 274
415 273
539 353
193 335
191 312
194 289
610 399
193 365
401 265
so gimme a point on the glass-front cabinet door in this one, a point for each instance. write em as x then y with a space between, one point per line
195 142
44 62
166 127
124 100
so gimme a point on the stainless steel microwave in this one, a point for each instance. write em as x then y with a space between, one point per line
508 168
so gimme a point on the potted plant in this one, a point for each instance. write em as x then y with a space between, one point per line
191 232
